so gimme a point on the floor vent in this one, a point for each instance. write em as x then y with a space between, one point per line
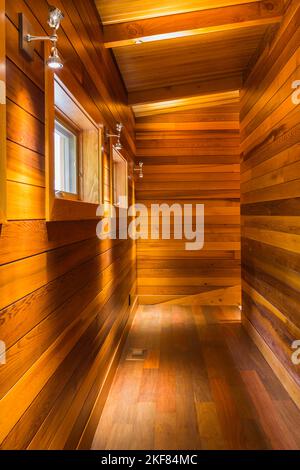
136 354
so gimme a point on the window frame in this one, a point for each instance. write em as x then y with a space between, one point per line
124 160
61 206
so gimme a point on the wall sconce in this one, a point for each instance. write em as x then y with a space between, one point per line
26 39
119 127
139 168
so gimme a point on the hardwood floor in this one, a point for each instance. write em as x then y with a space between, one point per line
203 385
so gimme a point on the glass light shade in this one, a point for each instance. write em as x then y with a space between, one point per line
54 61
118 146
55 17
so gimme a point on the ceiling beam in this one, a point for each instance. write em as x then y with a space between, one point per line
201 88
189 24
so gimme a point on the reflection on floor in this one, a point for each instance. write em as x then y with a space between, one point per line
202 385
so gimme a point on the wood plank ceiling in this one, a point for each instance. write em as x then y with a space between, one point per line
182 54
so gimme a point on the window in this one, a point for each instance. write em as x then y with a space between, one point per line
66 161
77 148
120 180
73 152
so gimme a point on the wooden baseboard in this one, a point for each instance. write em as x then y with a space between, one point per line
91 426
278 368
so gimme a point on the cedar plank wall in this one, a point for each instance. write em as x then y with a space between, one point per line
191 157
63 293
270 186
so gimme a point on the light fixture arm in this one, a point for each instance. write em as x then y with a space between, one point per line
139 169
52 38
54 20
112 135
119 127
26 39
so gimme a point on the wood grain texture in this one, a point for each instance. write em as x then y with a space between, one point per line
64 294
67 299
189 158
203 385
184 50
185 104
199 88
270 201
129 10
224 296
2 114
198 58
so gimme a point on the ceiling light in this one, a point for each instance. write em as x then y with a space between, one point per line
118 146
164 36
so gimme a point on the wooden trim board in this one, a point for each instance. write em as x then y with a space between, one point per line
2 114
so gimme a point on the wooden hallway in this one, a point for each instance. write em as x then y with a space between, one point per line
202 385
149 225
